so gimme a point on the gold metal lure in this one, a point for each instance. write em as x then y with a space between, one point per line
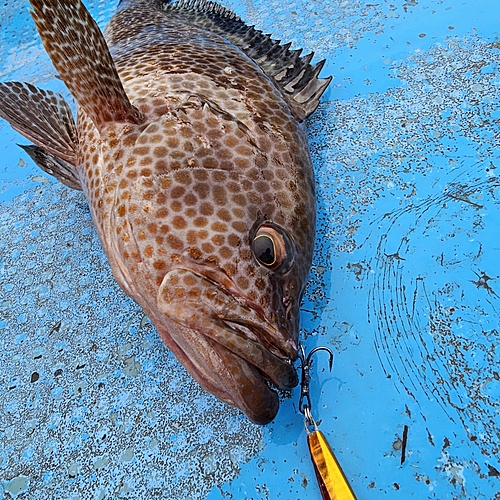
332 481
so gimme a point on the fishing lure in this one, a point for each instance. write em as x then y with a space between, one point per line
331 479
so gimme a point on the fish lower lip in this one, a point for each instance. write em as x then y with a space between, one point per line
205 314
244 387
225 374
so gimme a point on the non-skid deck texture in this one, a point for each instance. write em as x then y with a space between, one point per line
405 287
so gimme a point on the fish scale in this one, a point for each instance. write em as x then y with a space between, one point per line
190 147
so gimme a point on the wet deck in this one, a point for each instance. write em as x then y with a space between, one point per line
404 287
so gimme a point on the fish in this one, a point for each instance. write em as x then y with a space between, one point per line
190 147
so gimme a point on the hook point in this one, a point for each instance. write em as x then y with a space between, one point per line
304 383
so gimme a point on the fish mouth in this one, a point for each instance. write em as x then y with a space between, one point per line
227 344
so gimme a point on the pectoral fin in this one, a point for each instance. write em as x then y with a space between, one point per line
44 118
79 52
60 169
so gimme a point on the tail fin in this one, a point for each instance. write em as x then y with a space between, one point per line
80 54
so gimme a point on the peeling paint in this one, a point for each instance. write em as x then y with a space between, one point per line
90 376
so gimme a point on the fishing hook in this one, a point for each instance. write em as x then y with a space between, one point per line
305 365
332 482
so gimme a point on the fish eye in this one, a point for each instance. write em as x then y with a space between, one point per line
272 247
264 250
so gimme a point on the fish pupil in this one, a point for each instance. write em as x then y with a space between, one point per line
263 248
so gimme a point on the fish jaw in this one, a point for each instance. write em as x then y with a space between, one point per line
209 363
248 351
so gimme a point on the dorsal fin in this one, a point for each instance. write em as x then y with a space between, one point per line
79 52
294 74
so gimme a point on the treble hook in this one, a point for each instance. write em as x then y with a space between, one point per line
332 481
305 364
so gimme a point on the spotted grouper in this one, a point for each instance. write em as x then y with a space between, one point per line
190 147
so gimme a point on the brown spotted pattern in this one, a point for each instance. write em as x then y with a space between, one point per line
204 149
93 79
48 115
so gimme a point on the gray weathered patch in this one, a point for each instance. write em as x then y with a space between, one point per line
106 407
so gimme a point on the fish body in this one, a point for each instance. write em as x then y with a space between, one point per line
190 147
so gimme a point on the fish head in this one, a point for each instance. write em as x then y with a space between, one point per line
215 222
233 289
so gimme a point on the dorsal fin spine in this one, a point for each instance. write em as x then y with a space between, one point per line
292 73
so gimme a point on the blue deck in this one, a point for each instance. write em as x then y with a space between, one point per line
404 288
